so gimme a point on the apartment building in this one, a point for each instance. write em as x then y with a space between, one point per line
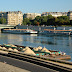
12 17
70 15
55 14
31 15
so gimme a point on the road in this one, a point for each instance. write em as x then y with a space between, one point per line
25 65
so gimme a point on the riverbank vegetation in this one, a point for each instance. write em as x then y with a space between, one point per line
48 20
2 21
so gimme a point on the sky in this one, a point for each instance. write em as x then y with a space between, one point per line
36 6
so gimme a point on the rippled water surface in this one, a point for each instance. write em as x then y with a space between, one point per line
61 43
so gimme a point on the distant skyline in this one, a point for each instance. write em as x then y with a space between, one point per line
36 6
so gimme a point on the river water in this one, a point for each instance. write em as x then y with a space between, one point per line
61 43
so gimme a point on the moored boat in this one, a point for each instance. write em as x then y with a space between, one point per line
38 51
56 32
19 31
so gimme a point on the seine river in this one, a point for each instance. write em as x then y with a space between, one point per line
61 43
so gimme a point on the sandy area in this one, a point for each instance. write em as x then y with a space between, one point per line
8 68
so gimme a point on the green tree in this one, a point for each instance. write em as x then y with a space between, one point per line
38 23
47 20
50 17
70 22
38 19
44 20
35 22
51 20
64 20
26 21
2 21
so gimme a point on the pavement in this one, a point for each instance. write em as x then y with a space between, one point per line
9 68
23 65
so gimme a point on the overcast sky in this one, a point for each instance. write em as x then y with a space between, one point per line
36 6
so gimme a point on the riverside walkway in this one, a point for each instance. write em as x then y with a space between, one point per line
22 66
4 67
49 63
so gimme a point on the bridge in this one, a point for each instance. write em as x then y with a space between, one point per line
6 26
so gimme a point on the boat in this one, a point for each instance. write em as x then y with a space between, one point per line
19 31
56 32
36 50
52 54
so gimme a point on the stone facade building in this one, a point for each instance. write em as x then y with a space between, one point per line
31 15
55 14
13 17
70 15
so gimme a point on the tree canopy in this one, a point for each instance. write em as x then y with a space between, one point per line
26 21
2 21
47 20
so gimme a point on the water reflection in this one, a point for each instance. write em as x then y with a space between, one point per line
33 35
61 43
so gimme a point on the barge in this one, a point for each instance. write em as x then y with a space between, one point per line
56 32
19 31
39 51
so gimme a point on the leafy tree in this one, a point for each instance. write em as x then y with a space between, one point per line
35 22
38 19
51 20
47 20
70 22
50 17
63 20
38 23
56 21
2 21
26 21
44 20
